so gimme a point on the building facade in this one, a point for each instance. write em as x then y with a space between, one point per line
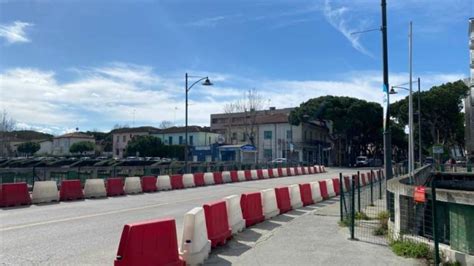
62 144
122 136
273 137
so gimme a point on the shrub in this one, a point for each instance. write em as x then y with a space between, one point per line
361 216
411 249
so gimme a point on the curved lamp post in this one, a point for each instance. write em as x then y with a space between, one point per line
206 82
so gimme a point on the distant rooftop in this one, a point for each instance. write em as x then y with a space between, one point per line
143 129
75 135
183 129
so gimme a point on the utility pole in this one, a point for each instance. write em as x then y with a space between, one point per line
387 134
419 123
411 144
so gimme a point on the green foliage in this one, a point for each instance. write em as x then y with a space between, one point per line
150 146
383 215
361 216
81 147
452 263
411 249
382 229
346 222
440 114
357 122
28 147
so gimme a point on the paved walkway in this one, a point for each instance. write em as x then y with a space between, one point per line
307 236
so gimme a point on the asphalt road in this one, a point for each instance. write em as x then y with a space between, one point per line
88 232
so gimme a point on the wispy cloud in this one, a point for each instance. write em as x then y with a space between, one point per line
15 32
210 22
337 17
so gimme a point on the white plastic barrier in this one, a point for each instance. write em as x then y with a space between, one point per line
316 169
132 185
226 177
323 168
188 180
254 174
275 172
241 175
330 186
292 171
195 246
284 171
300 170
306 170
163 182
45 191
209 178
269 203
347 187
234 213
295 196
95 188
265 173
316 192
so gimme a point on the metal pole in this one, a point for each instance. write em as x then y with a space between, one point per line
419 123
186 127
435 220
387 133
371 178
358 191
341 197
352 208
380 184
411 155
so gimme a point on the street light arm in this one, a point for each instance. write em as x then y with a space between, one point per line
399 87
196 82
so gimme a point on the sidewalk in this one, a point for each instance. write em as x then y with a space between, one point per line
307 236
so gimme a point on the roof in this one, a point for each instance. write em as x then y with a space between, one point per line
183 129
258 112
144 129
75 135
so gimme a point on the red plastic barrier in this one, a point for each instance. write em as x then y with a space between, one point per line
347 182
297 171
149 243
283 199
310 170
234 176
321 169
71 190
218 178
280 171
149 184
357 181
324 189
217 223
115 186
199 179
270 173
177 181
248 175
288 171
304 171
362 179
371 177
252 209
306 196
336 184
259 174
14 194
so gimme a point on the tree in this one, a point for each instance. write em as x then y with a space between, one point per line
357 124
28 148
442 121
7 124
81 147
166 124
150 146
249 105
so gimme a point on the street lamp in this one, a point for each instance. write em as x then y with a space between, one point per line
206 82
393 91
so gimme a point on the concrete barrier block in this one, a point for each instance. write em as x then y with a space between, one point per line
234 213
188 180
195 246
316 192
269 203
208 178
254 174
330 186
95 188
241 175
163 182
45 191
132 185
265 173
226 177
295 196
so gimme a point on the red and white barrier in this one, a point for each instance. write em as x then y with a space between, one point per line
133 185
217 223
316 192
234 213
241 175
209 178
306 196
252 209
188 180
295 196
46 191
226 177
163 182
195 247
269 203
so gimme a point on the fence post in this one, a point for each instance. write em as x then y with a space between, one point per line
341 197
371 179
358 191
352 207
435 220
380 184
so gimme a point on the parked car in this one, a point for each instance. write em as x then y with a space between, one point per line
362 161
429 160
278 160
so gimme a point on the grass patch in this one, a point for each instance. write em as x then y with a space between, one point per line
346 222
410 249
450 263
361 216
380 231
384 215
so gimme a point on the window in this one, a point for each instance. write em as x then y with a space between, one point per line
118 139
267 134
234 135
209 140
117 151
191 140
289 134
267 153
180 139
170 140
124 138
244 136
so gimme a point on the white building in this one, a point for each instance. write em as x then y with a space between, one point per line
122 136
61 144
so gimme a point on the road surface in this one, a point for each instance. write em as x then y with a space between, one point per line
88 231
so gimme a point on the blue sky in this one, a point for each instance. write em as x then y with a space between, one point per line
94 64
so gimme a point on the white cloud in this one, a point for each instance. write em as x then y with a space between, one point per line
15 32
338 18
101 97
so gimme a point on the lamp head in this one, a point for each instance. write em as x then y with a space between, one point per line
207 82
392 91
